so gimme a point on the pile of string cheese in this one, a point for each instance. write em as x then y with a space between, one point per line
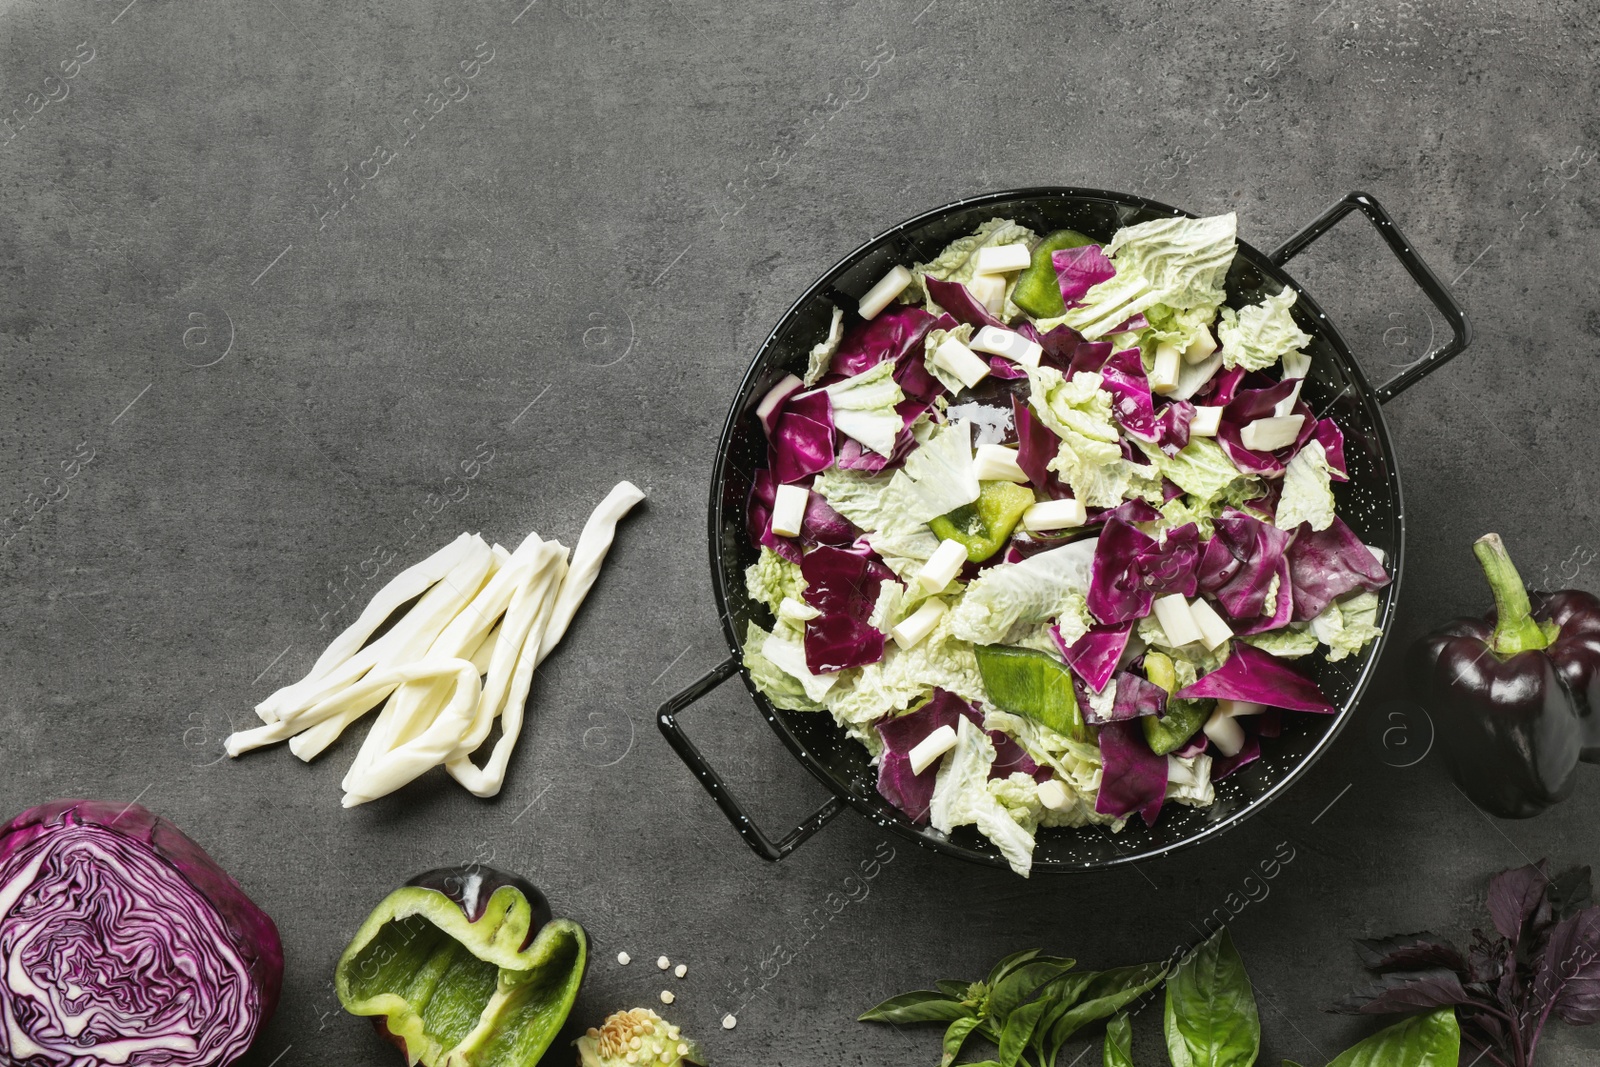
459 658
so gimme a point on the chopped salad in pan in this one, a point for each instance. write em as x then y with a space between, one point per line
1048 528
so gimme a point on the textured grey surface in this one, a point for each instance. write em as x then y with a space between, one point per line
566 269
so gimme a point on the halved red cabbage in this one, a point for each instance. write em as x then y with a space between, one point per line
123 943
844 587
1262 678
1080 269
1326 564
958 300
1134 779
892 334
1131 569
802 438
1094 656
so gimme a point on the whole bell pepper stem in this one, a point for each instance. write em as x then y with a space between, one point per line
1515 628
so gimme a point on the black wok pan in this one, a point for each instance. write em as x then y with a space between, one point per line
1370 502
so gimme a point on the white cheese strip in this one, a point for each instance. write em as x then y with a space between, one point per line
1193 376
919 624
1168 368
960 361
995 463
1271 434
1008 343
789 510
406 761
882 295
1201 347
1053 795
1054 515
932 748
1176 620
401 588
988 290
1003 259
1206 422
943 566
1225 732
1213 628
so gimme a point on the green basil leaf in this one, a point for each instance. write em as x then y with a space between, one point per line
1432 1040
1119 1042
1019 1031
955 1037
1023 982
954 987
1108 993
1210 1017
918 1006
1009 964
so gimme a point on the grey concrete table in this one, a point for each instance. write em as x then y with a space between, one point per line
318 286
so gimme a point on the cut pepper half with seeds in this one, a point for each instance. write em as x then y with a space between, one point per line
464 967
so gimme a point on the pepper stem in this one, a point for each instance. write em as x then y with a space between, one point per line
1515 628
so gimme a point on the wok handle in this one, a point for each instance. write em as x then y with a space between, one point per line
765 847
1460 330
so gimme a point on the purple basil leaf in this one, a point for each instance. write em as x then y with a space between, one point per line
1410 952
1262 678
1567 975
1515 898
842 586
1569 891
1134 779
1094 656
1080 269
958 300
1407 991
1326 564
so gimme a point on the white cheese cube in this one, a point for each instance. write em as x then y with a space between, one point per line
1201 347
882 295
789 510
1213 629
928 751
997 463
1206 422
1271 434
1008 343
1169 363
1236 708
960 361
942 568
1176 620
1225 732
1003 259
988 290
1054 515
918 624
1053 795
1296 364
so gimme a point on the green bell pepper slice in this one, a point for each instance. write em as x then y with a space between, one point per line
983 526
1038 290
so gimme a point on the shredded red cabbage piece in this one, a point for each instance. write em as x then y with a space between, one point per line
1037 444
1240 563
802 438
958 300
122 942
1131 569
913 793
1247 406
896 332
1326 564
1134 779
1331 438
1222 766
1131 402
1136 697
843 586
1257 676
1094 656
1080 269
758 517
